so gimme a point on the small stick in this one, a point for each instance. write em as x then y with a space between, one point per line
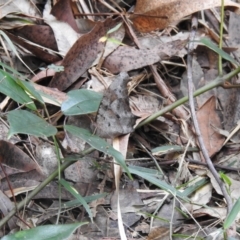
194 118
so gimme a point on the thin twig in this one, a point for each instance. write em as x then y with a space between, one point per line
194 118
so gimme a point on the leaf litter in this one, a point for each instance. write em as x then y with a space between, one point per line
140 71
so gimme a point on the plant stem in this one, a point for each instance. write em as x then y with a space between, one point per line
215 83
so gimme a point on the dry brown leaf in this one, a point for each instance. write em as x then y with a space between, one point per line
159 233
39 34
63 12
36 50
52 96
18 190
15 160
207 118
64 34
128 58
21 182
174 10
81 56
217 212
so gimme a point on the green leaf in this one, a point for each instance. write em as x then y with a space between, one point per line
161 184
76 194
81 101
22 121
99 144
216 49
13 71
192 188
9 87
149 171
225 178
232 215
50 232
113 40
76 203
114 29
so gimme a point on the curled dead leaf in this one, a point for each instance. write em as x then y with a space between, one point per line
174 10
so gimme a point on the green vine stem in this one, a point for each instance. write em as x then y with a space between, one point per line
219 81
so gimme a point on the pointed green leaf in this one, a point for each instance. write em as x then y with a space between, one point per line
76 194
113 40
225 178
161 184
114 29
76 203
81 101
50 232
216 49
13 71
192 188
232 215
99 144
22 121
9 87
